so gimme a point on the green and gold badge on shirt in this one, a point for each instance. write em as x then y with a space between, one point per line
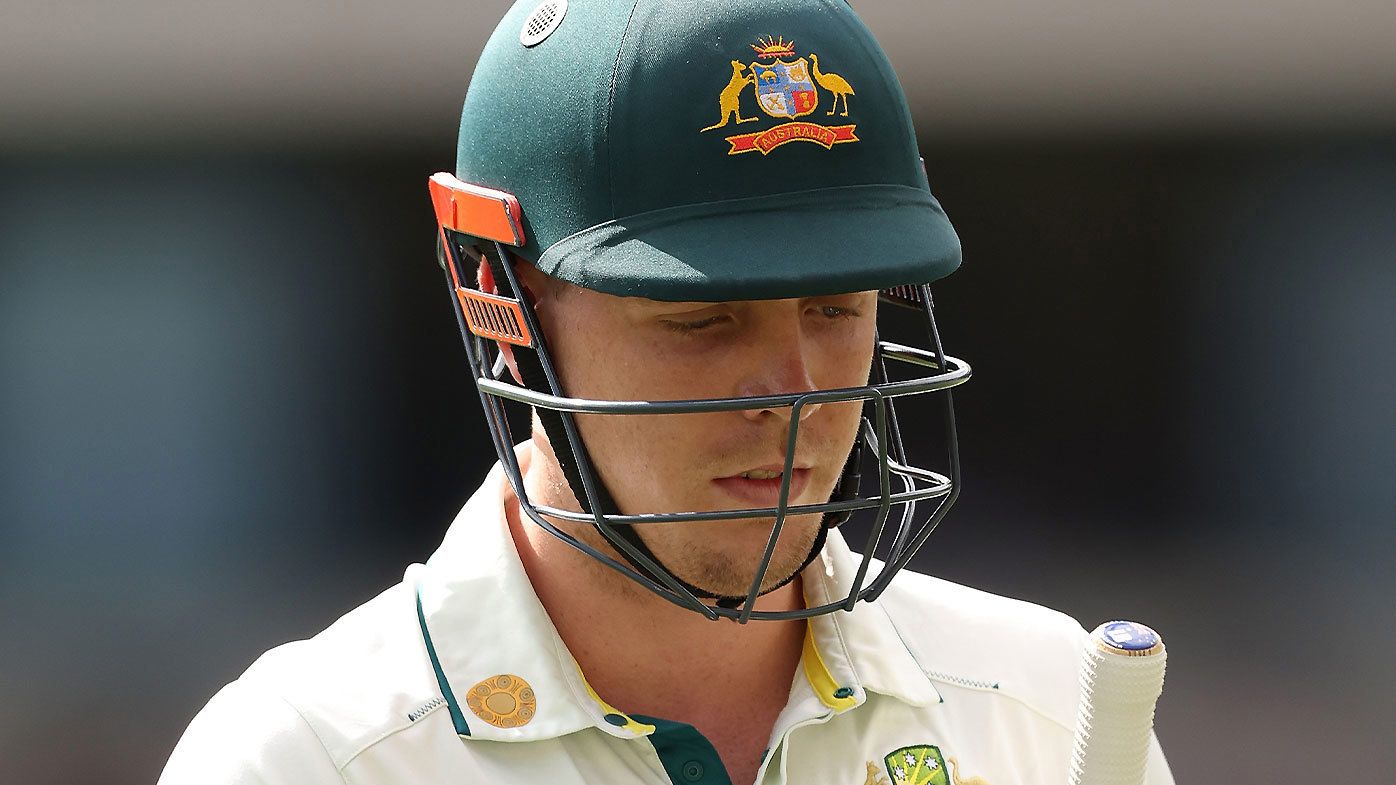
919 765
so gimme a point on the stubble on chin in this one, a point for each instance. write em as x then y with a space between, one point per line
696 553
715 569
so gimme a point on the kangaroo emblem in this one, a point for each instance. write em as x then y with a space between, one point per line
874 776
786 87
730 100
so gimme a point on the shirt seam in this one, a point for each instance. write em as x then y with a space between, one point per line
611 106
338 769
960 681
363 746
385 735
994 689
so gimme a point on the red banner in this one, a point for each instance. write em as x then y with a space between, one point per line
825 136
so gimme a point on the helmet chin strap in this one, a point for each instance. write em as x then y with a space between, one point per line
533 377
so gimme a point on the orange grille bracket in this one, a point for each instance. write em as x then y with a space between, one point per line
494 317
476 210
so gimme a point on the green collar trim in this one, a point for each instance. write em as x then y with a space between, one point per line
688 757
457 717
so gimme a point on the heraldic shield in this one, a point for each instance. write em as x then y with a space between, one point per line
785 89
919 765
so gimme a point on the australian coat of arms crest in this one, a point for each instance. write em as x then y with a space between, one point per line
922 764
787 87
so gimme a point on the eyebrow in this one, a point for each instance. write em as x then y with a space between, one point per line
657 304
652 305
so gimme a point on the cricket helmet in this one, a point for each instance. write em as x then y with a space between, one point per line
687 150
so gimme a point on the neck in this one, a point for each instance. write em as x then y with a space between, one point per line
630 643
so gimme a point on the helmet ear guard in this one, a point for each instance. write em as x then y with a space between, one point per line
480 224
486 213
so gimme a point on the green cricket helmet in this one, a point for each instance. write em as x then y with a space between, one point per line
691 150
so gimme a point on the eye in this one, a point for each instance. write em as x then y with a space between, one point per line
693 327
836 312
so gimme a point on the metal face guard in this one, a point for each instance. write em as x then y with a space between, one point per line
880 436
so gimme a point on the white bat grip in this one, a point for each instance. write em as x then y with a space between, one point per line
1121 675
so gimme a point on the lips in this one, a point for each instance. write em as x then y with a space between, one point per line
759 489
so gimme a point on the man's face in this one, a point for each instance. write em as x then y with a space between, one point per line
624 348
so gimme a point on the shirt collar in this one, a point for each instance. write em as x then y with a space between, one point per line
506 674
861 649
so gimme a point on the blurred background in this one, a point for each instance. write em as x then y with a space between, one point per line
233 403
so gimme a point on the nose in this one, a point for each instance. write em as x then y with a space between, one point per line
779 367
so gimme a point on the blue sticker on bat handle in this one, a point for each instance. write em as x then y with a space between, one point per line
1128 636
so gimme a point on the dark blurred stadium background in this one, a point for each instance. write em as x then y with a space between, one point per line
233 404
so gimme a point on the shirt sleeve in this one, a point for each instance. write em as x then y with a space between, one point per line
246 736
1157 772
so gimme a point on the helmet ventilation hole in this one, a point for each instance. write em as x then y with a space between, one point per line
542 22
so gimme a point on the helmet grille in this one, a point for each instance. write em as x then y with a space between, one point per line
542 22
909 296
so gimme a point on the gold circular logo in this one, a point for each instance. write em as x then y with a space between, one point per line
504 701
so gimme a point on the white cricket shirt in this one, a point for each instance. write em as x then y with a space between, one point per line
457 676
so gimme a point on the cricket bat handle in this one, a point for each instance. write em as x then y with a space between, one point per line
1121 676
